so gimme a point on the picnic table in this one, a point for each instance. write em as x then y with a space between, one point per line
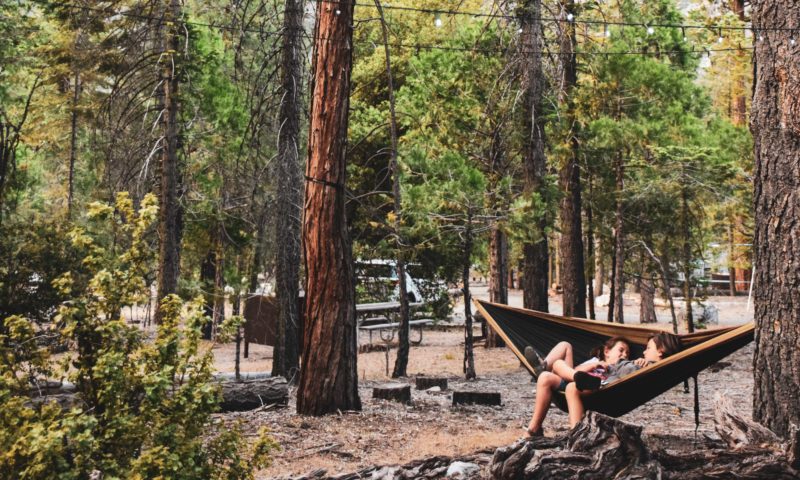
383 317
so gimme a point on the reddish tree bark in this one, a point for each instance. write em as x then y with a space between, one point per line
328 379
775 123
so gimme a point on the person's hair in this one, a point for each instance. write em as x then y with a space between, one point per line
599 351
667 343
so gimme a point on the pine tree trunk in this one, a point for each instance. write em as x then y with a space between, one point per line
731 260
647 308
573 280
73 141
618 274
403 348
169 214
599 267
289 194
469 357
208 275
328 376
534 280
590 253
775 123
498 274
219 280
686 250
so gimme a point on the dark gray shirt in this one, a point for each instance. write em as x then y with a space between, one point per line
621 369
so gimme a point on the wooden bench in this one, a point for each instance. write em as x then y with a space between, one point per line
370 325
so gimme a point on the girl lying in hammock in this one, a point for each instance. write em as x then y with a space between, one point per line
556 371
659 346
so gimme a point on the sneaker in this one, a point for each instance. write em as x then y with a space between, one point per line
535 360
585 381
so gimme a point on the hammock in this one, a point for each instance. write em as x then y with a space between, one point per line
520 327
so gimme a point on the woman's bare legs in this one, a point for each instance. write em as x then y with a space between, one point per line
574 404
562 351
546 384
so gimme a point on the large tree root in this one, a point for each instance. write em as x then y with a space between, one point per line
601 447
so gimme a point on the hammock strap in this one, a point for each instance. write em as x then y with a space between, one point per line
696 406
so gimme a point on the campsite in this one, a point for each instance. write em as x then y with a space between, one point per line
388 433
406 239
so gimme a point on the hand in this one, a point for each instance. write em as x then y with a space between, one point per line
640 362
602 364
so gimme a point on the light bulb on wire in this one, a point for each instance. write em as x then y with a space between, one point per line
651 30
570 17
437 21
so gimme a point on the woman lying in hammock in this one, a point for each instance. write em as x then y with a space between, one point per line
659 346
556 372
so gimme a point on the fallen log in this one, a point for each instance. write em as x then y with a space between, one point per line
236 396
251 394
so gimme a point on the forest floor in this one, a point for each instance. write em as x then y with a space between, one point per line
388 433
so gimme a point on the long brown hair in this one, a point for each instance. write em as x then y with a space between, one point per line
600 350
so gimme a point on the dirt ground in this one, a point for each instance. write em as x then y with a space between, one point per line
387 433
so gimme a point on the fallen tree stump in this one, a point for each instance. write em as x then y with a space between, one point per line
398 392
424 383
478 398
597 448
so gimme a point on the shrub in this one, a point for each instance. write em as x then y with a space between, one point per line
145 408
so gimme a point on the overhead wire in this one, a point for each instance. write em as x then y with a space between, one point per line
420 46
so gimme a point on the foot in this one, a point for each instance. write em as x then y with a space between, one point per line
535 360
585 381
531 434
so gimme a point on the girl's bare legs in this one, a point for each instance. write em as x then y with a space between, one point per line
546 384
574 404
563 370
562 351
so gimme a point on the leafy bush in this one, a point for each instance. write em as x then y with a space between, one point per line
145 408
32 255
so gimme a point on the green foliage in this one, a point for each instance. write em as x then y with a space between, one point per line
32 255
145 405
